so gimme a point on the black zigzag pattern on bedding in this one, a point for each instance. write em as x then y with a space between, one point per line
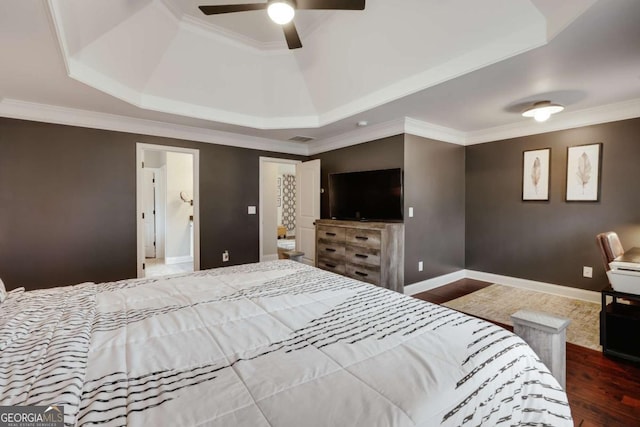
301 281
114 397
44 343
367 313
493 352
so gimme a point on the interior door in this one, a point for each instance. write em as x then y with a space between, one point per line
307 208
149 209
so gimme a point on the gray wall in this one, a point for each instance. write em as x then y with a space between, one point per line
550 241
434 186
67 203
386 153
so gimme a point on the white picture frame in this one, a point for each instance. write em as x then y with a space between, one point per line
536 174
584 166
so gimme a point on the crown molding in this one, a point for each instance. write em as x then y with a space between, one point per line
357 136
567 120
432 131
89 119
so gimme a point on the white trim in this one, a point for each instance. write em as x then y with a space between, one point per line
425 285
566 120
23 110
140 148
262 161
357 136
178 259
515 282
432 131
532 285
90 119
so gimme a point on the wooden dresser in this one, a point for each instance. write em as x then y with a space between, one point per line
372 252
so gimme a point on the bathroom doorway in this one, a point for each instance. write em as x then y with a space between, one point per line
167 210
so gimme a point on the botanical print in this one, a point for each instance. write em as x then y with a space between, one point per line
535 174
583 172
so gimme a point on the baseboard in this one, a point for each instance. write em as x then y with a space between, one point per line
425 285
516 282
178 259
271 257
565 291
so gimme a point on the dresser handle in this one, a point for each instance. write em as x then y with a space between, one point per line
362 238
359 273
329 265
329 249
330 234
362 256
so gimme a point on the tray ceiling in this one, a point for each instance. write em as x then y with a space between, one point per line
459 70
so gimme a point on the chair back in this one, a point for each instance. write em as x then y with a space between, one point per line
610 247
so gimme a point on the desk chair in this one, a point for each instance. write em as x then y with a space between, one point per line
610 247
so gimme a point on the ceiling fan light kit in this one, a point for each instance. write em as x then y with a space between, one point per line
541 111
282 12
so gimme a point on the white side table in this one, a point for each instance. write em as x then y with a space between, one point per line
546 334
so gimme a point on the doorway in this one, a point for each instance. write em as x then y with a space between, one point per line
277 207
168 225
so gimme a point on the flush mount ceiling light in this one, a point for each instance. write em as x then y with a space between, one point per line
281 12
542 110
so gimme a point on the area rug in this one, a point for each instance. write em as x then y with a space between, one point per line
498 302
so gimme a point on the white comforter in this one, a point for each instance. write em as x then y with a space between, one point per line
268 344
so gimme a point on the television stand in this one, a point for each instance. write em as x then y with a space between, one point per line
371 252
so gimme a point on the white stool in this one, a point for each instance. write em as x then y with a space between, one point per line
546 334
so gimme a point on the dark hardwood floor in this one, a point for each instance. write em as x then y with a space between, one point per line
602 392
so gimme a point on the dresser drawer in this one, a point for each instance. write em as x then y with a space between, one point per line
367 274
329 264
366 238
331 250
362 255
330 234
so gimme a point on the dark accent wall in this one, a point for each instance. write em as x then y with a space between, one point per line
550 241
434 186
68 203
386 153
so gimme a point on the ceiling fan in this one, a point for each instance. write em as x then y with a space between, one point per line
282 11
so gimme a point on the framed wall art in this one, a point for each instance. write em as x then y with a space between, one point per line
536 174
584 166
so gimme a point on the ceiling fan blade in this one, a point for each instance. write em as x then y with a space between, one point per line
230 8
330 4
291 34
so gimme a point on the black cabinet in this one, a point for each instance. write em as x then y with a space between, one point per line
620 324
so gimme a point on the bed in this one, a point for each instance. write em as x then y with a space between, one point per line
268 344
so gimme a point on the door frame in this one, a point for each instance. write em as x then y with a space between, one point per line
140 148
156 209
264 160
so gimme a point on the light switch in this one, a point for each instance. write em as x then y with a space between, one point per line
252 210
410 212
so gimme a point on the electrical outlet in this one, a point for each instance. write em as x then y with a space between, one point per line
420 266
410 212
587 272
225 256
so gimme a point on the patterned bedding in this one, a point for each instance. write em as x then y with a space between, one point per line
268 344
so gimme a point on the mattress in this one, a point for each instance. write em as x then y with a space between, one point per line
268 344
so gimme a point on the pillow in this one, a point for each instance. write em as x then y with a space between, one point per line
3 292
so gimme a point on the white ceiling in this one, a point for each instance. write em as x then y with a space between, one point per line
459 71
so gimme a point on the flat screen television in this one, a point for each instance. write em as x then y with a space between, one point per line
366 196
